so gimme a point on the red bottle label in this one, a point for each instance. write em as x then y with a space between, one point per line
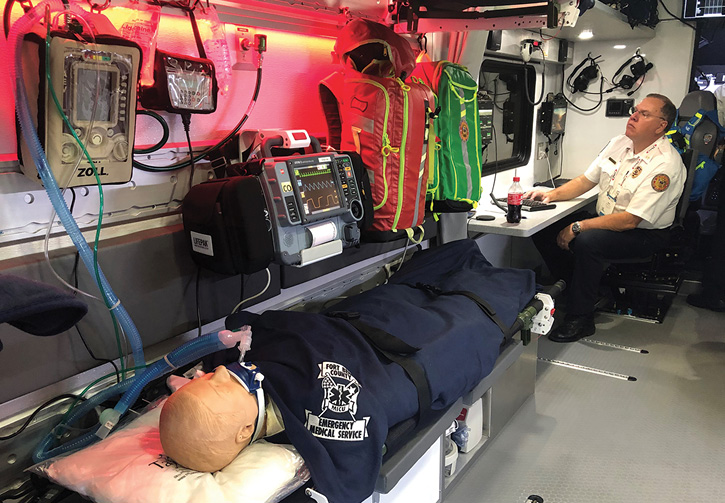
515 199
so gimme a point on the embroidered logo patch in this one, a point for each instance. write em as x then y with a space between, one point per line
336 420
660 183
463 130
636 172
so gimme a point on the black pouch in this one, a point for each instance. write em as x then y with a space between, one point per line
363 182
227 225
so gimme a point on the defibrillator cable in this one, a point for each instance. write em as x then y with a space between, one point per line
266 287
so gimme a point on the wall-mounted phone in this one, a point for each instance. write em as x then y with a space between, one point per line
552 116
96 87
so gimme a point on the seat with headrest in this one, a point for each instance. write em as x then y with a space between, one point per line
704 137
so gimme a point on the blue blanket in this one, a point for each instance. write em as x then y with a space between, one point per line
339 397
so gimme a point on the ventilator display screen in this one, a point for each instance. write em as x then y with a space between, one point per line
86 80
317 188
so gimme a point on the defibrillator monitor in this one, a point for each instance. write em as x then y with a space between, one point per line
314 205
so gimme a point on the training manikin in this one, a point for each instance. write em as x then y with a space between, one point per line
207 422
336 393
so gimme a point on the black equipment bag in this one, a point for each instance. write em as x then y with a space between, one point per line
227 225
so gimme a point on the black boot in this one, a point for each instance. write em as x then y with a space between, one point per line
575 327
711 302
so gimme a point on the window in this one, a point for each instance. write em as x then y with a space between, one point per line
506 114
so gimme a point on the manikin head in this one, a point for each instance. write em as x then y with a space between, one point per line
207 422
654 115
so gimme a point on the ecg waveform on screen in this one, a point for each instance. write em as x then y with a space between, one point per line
321 185
318 189
316 205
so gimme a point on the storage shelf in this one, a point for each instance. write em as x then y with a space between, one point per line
606 23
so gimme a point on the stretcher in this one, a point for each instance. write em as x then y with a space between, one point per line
508 375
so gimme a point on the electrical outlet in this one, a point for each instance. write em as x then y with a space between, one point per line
540 150
244 48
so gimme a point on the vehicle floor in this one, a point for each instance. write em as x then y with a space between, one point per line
586 437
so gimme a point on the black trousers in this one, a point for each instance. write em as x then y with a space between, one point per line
590 252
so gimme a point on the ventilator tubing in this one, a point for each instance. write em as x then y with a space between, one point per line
15 38
131 389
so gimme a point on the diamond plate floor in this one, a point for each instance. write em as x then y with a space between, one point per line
586 438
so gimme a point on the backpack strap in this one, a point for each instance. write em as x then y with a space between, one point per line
487 309
680 136
330 89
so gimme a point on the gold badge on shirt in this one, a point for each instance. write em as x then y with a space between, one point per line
660 182
636 171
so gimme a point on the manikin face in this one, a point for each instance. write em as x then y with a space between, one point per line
208 421
647 123
222 393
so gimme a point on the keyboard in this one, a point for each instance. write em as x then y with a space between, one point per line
531 204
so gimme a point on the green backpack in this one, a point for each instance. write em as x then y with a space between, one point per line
455 183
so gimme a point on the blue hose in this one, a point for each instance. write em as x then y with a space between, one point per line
131 388
22 26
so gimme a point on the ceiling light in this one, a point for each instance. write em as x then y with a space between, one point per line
586 34
619 46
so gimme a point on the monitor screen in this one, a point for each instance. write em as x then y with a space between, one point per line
703 9
317 188
86 91
558 120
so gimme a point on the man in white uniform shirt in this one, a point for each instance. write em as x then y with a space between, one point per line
640 178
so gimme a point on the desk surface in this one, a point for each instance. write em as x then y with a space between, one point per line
534 221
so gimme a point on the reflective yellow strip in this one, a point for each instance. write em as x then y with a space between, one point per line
386 140
401 171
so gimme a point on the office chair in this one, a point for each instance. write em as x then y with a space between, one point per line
644 288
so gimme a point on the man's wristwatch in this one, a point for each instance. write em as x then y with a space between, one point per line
576 228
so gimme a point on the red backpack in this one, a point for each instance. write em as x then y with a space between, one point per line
372 109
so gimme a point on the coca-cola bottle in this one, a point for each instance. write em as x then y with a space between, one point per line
513 215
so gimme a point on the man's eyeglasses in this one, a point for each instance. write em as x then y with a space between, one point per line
644 113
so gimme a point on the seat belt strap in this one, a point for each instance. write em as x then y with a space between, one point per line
487 309
397 351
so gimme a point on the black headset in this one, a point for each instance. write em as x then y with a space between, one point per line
587 74
638 66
